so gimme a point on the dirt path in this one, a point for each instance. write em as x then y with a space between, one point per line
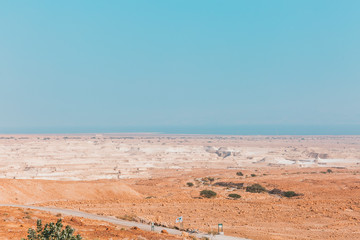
113 220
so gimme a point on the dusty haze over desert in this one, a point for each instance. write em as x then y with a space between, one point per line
121 156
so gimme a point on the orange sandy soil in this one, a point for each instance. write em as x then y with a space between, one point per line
328 209
16 221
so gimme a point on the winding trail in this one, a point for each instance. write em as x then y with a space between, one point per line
116 221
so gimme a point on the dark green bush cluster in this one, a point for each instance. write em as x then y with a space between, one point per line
52 231
234 196
327 171
208 179
240 174
255 188
208 193
276 191
229 185
290 194
287 194
189 184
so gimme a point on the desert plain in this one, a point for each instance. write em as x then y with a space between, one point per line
145 178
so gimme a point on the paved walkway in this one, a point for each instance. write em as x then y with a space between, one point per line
114 220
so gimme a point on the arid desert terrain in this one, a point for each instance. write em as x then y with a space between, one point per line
145 178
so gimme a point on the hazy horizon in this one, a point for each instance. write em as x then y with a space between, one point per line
202 130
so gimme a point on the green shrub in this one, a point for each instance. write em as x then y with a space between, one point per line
189 184
253 175
52 231
290 194
234 196
208 193
329 171
240 174
211 179
255 188
276 191
229 185
207 180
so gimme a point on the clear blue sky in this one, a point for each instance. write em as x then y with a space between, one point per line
115 65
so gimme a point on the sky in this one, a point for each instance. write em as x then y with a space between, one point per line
181 66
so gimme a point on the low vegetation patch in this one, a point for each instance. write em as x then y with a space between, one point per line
52 231
234 196
290 194
276 191
255 188
190 184
208 194
208 179
239 174
229 184
287 194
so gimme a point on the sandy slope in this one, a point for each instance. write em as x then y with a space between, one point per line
34 191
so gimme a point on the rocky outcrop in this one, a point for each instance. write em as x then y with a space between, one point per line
222 152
